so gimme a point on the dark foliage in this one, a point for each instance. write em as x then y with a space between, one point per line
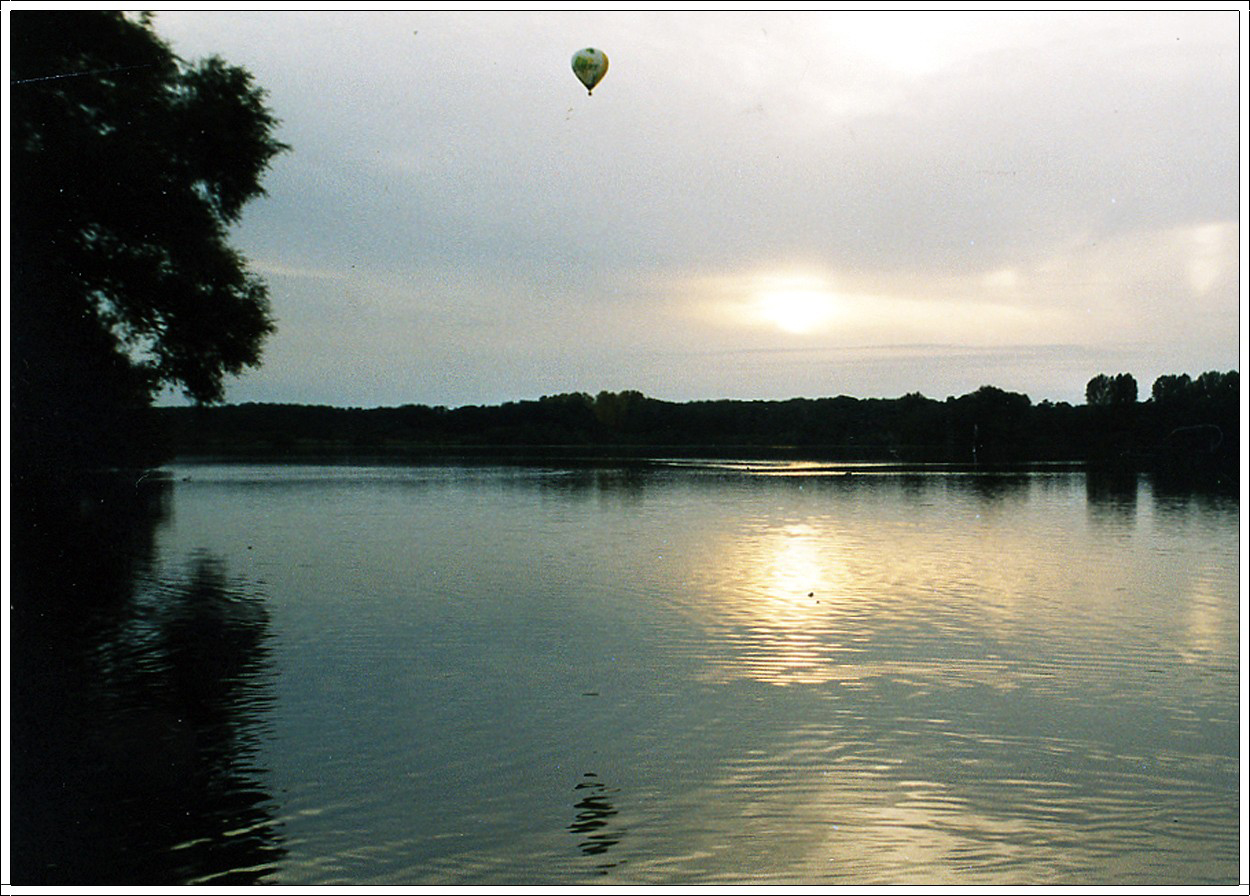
1192 428
128 167
1111 391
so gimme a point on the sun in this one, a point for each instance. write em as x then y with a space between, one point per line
795 311
793 304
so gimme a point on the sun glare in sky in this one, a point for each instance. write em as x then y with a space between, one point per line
796 309
798 304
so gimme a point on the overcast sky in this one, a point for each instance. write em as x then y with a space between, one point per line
749 206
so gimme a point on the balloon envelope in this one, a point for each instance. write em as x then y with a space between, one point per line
590 65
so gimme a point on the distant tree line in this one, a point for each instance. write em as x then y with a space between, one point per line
1186 424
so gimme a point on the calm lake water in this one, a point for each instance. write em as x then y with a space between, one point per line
672 673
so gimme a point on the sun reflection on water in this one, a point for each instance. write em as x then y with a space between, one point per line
774 599
816 598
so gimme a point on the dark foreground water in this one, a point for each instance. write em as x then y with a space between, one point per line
668 674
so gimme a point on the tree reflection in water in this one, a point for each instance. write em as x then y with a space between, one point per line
137 703
593 813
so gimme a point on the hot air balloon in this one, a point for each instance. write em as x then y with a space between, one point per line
590 65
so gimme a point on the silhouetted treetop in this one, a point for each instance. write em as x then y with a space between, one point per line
128 167
1111 391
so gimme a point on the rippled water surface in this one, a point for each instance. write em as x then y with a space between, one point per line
666 674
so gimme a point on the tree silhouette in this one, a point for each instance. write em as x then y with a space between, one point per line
1195 424
128 167
990 426
1171 389
1111 391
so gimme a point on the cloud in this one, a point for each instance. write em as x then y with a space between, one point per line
458 221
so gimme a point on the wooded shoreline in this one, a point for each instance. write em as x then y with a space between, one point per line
1192 433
